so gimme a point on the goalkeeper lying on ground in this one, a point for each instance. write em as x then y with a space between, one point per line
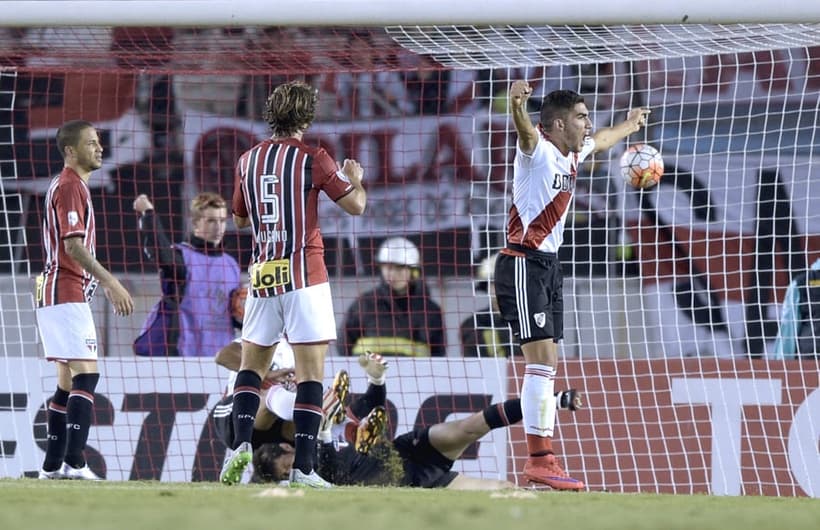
422 457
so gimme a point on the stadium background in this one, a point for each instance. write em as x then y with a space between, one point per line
673 293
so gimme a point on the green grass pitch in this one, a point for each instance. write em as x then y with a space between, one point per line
31 504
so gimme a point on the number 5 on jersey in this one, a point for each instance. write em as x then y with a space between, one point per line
269 198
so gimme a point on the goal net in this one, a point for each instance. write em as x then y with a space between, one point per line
673 294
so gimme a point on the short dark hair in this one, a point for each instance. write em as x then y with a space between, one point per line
264 458
291 108
68 135
556 104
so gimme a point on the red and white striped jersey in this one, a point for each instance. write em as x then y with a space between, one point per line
543 186
277 188
68 213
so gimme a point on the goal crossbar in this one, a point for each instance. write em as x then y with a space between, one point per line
382 13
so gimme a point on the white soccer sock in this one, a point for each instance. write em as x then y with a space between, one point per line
537 400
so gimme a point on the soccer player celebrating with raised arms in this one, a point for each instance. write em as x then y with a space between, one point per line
277 191
528 278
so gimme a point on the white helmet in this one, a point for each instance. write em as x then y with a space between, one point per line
398 251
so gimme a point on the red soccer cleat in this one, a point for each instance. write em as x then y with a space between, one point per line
545 470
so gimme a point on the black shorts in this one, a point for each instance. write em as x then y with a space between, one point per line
530 293
424 466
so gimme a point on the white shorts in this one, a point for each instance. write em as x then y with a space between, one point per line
68 332
303 316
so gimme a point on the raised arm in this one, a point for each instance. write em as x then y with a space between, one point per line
156 245
608 136
354 202
527 133
114 291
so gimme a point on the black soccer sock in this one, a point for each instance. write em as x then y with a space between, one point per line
55 417
79 408
374 396
307 416
245 404
503 414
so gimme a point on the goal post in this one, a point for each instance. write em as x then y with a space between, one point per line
672 294
383 13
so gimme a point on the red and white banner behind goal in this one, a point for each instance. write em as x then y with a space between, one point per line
686 426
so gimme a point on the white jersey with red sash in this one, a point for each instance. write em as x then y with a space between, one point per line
543 186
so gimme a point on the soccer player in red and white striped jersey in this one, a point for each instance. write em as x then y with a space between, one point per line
528 278
278 182
64 291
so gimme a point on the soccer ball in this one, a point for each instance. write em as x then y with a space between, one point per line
642 166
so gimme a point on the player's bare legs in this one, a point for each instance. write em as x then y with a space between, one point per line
453 437
310 361
256 358
541 352
64 376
